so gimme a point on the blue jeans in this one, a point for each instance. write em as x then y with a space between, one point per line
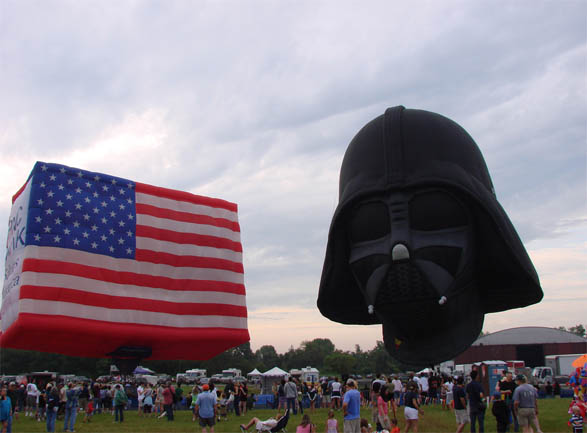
119 409
51 417
9 424
479 416
169 410
70 415
291 405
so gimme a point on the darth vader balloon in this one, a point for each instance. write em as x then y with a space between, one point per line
418 241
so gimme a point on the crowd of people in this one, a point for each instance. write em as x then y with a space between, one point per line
514 403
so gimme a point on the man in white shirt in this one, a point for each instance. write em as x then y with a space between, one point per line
397 388
32 392
424 387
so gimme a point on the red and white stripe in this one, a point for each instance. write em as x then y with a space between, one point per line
187 273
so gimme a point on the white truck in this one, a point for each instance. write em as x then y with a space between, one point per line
230 374
556 365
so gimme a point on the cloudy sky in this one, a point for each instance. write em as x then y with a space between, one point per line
256 101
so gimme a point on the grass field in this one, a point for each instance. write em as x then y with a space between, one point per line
552 414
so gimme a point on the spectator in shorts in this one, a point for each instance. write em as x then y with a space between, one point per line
335 393
526 404
351 408
459 397
206 407
412 408
32 393
397 389
266 425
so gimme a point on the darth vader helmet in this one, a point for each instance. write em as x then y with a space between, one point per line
418 241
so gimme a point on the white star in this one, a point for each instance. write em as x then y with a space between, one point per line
79 174
62 170
56 238
42 185
38 219
67 213
37 237
96 178
61 187
49 211
103 237
86 235
131 216
86 217
111 231
104 220
128 251
59 203
87 199
104 204
66 231
129 233
129 200
121 223
78 206
94 228
112 198
121 206
76 241
94 245
68 196
70 181
78 190
104 187
76 224
88 184
95 194
47 229
129 185
52 177
112 214
121 191
44 167
120 241
96 210
50 194
57 221
40 201
113 181
111 248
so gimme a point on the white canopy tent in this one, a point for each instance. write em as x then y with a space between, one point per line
271 377
254 373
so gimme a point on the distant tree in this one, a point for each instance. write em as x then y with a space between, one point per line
577 330
340 363
267 357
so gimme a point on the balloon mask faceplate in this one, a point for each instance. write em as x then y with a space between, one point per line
412 253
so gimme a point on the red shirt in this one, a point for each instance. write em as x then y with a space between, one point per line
167 396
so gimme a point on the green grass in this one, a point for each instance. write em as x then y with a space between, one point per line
552 414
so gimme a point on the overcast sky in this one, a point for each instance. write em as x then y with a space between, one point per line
256 101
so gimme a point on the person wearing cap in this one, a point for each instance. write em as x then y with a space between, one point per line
461 414
526 404
206 407
351 407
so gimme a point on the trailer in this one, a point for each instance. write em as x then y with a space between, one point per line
561 364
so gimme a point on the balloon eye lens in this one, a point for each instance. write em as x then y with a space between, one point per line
369 221
436 210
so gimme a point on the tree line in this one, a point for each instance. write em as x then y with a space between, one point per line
319 353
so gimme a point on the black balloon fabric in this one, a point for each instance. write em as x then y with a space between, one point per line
419 242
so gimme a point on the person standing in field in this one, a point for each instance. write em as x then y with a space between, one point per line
351 408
